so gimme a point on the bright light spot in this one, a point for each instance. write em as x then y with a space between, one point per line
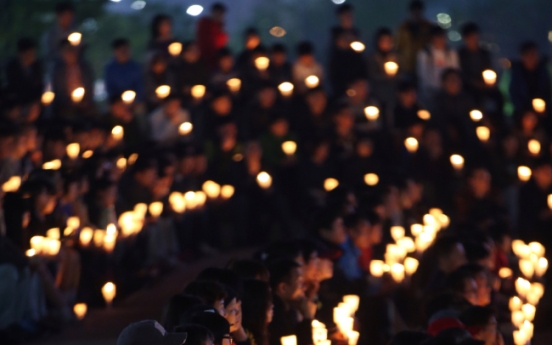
277 31
444 18
138 5
338 2
115 0
194 10
550 36
454 36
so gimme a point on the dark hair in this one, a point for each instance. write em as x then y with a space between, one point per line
436 30
69 180
280 271
308 247
288 250
177 306
25 44
278 48
305 48
445 245
119 42
197 334
382 32
250 31
213 321
344 9
209 291
406 86
527 47
223 276
476 316
65 6
326 218
156 22
476 251
352 220
218 7
256 301
449 72
249 269
455 281
469 29
224 52
416 5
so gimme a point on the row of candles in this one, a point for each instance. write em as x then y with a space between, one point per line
532 264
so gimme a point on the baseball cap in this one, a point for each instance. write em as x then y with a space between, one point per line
149 332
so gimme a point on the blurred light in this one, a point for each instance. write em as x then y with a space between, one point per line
74 38
424 114
115 0
128 96
175 48
138 5
185 128
194 10
87 154
357 46
278 31
443 18
338 2
454 36
505 63
312 81
550 36
476 115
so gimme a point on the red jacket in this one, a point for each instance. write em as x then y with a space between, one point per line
210 38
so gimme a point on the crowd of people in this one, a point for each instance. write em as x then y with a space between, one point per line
200 149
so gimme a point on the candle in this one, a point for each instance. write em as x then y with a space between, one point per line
264 180
190 199
528 311
416 229
78 94
319 334
51 246
539 105
537 248
85 236
550 201
476 115
80 310
12 185
483 133
211 189
357 46
424 114
330 184
346 324
534 147
489 76
185 128
98 238
74 38
520 337
289 147
163 91
528 328
198 91
522 286
514 303
371 179
397 232
132 158
30 253
410 265
353 337
411 144
524 173
118 133
532 298
234 85
286 89
391 68
407 244
352 301
73 150
289 340
542 266
517 318
444 220
429 219
109 242
177 202
371 113
397 272
141 209
48 97
156 208
518 247
87 154
505 272
200 198
312 81
175 48
262 63
109 291
537 289
457 162
527 269
52 165
376 268
37 243
227 191
53 233
128 96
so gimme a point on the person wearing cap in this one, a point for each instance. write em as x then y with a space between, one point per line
149 332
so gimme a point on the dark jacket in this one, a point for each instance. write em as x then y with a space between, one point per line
526 85
25 82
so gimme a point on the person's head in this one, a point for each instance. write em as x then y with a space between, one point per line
451 81
344 119
171 106
330 227
438 37
158 64
481 323
251 38
68 52
359 90
450 253
119 109
222 103
178 306
225 60
190 52
479 274
149 332
211 293
121 50
161 27
197 334
384 40
470 35
529 54
345 15
250 269
105 192
416 10
286 280
71 186
320 151
364 148
257 309
305 53
462 283
43 196
65 14
316 100
145 171
279 126
407 95
542 174
215 323
267 95
26 50
480 182
361 232
278 54
218 10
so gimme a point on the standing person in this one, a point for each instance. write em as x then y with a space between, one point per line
305 66
161 34
210 34
346 27
123 73
257 310
65 25
252 40
346 65
412 36
24 73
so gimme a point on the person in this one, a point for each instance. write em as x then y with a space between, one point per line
258 115
257 310
24 73
433 60
250 269
462 283
149 332
225 70
252 41
407 107
279 68
165 121
305 66
123 73
215 323
210 35
161 35
211 293
122 114
65 25
346 27
449 255
158 73
137 186
482 324
346 65
474 59
412 36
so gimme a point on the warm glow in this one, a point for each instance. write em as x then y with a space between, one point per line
48 97
483 133
407 244
515 303
352 301
550 201
505 272
357 46
175 48
227 191
11 185
397 232
537 248
80 310
211 189
163 91
312 81
489 76
457 162
262 63
118 133
391 68
376 268
128 96
522 286
534 147
410 265
353 337
200 198
424 114
198 91
517 318
87 154
330 184
371 179
73 150
411 144
397 272
524 173
190 198
264 180
234 85
85 236
526 267
52 165
121 163
289 147
132 158
476 115
416 229
156 208
109 290
73 222
286 88
371 113
185 128
78 94
289 340
75 38
539 105
277 31
541 267
529 312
